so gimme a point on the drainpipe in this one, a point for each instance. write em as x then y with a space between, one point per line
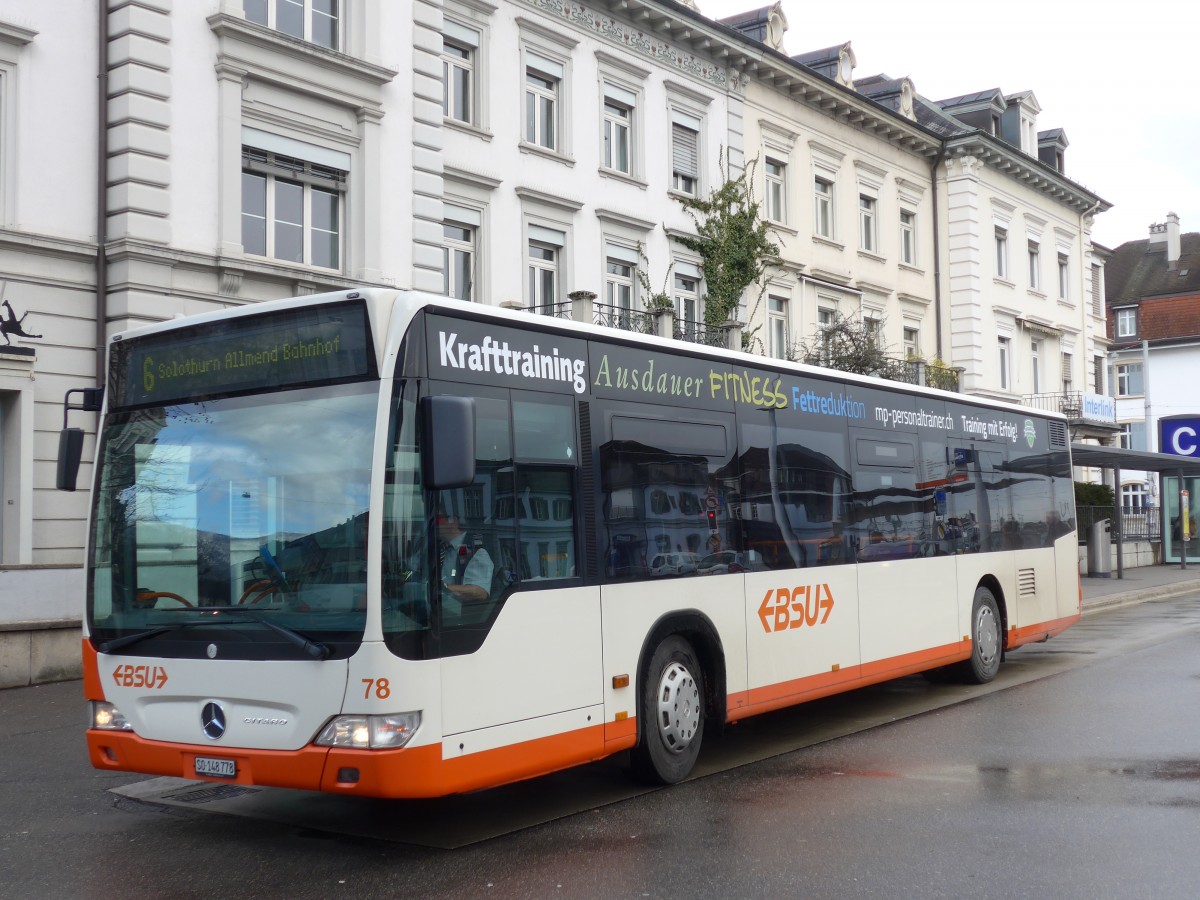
937 253
101 190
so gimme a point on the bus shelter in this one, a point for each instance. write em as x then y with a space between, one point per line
1179 481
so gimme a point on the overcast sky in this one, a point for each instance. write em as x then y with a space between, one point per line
1119 81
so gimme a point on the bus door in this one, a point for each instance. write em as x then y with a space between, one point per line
520 629
907 585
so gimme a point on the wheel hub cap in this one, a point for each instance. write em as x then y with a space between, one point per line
678 708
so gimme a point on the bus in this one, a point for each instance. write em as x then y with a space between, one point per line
389 544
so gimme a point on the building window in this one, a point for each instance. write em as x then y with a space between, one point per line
1097 293
1064 272
1068 380
685 153
908 237
619 105
543 277
460 47
543 77
291 208
1035 359
1126 323
912 343
1130 380
1133 435
1098 374
621 265
1035 265
775 191
825 322
1005 347
460 232
1135 497
1001 252
777 326
315 21
687 305
873 328
866 223
823 223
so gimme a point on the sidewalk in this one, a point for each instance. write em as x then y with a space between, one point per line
1140 584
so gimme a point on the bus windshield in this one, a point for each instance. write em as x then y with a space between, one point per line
216 517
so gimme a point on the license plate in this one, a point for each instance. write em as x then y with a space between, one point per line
215 768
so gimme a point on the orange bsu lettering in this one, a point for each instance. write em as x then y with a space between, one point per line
785 608
140 676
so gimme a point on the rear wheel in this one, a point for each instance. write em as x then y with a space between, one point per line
987 639
670 714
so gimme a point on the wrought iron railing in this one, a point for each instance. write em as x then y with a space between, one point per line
919 372
1069 403
622 319
1137 523
698 333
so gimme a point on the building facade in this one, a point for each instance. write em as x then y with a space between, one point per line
160 159
1153 305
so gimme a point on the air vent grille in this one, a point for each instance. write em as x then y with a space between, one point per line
1026 583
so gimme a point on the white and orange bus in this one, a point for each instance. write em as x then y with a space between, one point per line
389 544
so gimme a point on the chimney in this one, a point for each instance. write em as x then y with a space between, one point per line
1172 239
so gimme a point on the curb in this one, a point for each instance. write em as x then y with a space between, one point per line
1140 596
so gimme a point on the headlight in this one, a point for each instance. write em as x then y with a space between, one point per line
106 717
370 732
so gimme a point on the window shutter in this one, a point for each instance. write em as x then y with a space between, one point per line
684 151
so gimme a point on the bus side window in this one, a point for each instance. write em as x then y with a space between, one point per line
548 527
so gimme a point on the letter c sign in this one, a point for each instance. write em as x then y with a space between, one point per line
1180 435
1177 441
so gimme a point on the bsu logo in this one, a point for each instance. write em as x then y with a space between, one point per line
786 608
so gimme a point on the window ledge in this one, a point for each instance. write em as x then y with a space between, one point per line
870 254
1004 282
618 175
539 150
227 26
782 226
828 242
1034 292
682 195
467 128
911 267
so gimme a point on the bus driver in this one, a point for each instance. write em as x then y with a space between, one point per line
466 570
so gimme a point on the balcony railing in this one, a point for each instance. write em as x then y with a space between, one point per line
699 333
1069 403
637 321
919 372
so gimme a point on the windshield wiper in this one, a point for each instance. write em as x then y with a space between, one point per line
315 649
118 643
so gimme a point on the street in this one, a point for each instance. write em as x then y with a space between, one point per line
1076 774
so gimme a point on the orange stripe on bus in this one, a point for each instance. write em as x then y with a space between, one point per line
825 684
413 772
1040 632
93 689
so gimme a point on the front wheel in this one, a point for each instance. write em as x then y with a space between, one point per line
670 714
987 639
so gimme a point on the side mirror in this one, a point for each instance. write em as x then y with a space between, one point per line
448 443
70 440
70 453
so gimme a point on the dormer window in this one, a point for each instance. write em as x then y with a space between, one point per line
1127 323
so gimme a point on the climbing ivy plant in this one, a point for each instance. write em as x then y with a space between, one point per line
733 241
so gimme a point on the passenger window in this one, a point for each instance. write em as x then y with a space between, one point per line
545 428
547 546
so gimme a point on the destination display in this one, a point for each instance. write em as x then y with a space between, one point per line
318 344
